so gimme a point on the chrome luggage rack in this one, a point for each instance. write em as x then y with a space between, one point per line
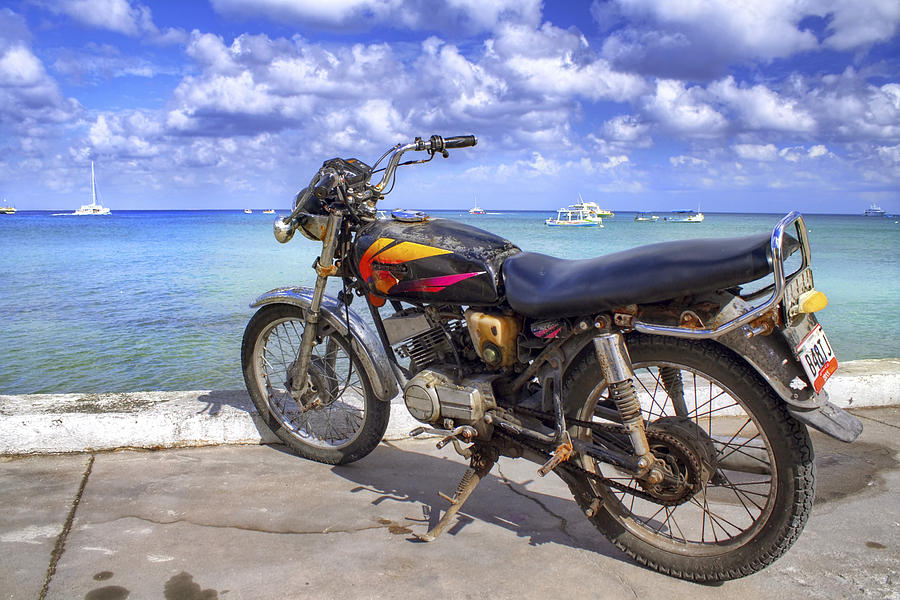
777 288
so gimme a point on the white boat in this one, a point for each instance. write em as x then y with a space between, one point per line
476 210
685 216
269 211
592 209
248 211
574 216
643 216
7 209
874 211
93 208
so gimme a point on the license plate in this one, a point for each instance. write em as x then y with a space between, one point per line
802 282
817 357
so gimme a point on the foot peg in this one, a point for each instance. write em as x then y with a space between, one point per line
482 462
464 433
560 455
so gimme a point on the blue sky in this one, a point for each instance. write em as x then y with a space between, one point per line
735 106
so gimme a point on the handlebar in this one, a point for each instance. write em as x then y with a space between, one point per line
432 145
326 179
460 141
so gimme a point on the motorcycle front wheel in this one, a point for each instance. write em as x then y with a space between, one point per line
337 419
745 464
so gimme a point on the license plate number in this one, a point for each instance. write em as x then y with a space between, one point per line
817 357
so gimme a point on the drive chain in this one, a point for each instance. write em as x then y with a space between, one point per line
577 469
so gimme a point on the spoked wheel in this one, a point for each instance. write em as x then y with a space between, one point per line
743 471
337 419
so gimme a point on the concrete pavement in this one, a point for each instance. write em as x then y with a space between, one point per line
241 522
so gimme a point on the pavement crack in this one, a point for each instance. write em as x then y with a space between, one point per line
563 522
60 545
326 531
879 421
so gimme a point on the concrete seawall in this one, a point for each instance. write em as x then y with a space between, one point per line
50 423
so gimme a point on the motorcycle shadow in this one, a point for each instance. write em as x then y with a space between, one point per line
511 497
212 403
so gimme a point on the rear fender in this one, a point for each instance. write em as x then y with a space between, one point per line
772 357
335 314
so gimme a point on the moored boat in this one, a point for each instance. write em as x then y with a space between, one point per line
93 208
685 216
644 216
592 209
874 211
573 216
7 209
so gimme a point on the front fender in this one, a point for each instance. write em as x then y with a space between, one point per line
335 314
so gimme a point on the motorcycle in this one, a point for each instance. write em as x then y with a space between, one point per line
670 395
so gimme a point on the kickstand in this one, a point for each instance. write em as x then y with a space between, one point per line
482 461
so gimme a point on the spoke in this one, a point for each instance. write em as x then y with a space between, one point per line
669 510
650 518
740 498
675 523
715 519
738 447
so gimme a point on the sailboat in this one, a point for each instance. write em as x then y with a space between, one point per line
476 210
93 208
7 209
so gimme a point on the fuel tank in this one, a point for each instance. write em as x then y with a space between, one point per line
432 260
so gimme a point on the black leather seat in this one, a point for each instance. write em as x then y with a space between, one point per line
538 285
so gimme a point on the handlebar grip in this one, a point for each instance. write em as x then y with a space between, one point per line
460 141
325 185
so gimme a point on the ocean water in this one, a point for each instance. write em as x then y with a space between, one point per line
154 300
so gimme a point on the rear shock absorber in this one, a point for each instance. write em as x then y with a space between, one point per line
672 383
616 366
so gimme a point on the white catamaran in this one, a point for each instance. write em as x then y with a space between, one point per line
93 208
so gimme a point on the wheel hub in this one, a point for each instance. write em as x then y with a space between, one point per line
686 456
321 386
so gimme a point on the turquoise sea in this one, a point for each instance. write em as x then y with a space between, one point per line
155 300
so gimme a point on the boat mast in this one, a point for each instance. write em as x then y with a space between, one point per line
93 186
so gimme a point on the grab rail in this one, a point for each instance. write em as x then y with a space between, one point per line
777 260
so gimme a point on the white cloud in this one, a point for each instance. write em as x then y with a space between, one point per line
761 108
759 152
861 23
29 98
451 15
817 151
559 62
689 161
701 39
120 16
118 136
890 154
684 111
854 110
20 68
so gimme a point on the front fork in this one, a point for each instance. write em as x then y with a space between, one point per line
616 366
324 265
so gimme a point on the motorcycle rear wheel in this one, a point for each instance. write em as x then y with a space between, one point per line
338 419
747 504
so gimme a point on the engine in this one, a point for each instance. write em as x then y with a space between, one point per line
432 396
436 344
